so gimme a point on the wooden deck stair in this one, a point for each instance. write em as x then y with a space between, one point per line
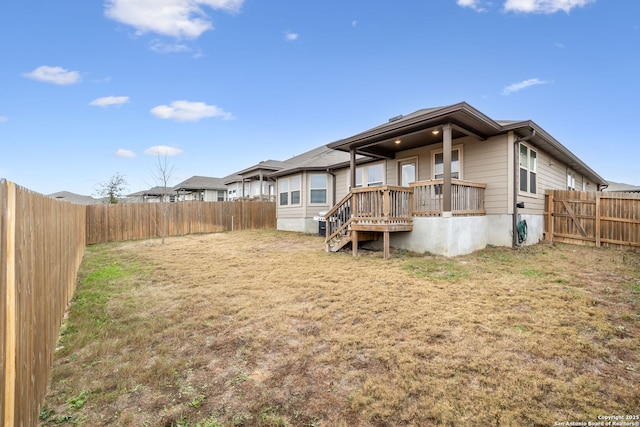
366 213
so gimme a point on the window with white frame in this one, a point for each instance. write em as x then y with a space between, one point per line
289 190
528 169
370 175
318 188
456 162
571 181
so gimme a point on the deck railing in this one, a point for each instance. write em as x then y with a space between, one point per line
383 205
392 208
467 198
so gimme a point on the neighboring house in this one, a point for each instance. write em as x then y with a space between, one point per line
253 183
153 195
201 188
621 188
444 180
75 198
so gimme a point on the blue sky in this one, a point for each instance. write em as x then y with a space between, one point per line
89 89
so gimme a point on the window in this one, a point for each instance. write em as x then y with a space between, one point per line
318 188
571 181
370 175
528 169
221 195
438 163
290 191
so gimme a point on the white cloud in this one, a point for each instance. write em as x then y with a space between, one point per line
169 47
289 36
522 85
187 111
175 18
56 75
162 150
543 6
109 100
125 153
3 119
472 4
354 23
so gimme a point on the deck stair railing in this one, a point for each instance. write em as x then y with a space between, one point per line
380 208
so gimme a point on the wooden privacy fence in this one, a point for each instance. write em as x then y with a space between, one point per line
130 221
42 241
41 246
593 218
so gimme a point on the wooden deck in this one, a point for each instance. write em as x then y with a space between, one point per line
365 213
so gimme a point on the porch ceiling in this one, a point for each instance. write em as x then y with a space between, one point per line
416 129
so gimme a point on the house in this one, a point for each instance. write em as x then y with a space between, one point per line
254 182
153 195
75 198
201 188
619 187
447 180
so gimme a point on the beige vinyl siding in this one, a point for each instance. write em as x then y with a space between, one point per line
487 162
305 209
288 211
342 183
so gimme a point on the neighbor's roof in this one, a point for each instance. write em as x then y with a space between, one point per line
415 130
153 191
201 183
622 188
75 198
266 167
321 158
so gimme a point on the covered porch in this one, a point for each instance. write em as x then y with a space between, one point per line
388 209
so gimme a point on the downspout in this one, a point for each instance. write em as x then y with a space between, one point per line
516 169
333 185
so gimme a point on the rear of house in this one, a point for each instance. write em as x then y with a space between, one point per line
445 180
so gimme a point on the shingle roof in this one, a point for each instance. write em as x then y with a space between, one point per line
201 183
622 188
320 158
75 198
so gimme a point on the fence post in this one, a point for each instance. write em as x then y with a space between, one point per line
9 265
598 242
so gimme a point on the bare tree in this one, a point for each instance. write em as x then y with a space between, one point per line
113 189
162 176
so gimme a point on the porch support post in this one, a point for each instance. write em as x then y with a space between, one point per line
261 183
352 169
446 159
385 240
354 242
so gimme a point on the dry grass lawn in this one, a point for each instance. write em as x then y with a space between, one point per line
263 328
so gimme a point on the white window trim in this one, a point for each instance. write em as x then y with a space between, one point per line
529 150
571 180
366 175
458 147
289 191
399 162
326 188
